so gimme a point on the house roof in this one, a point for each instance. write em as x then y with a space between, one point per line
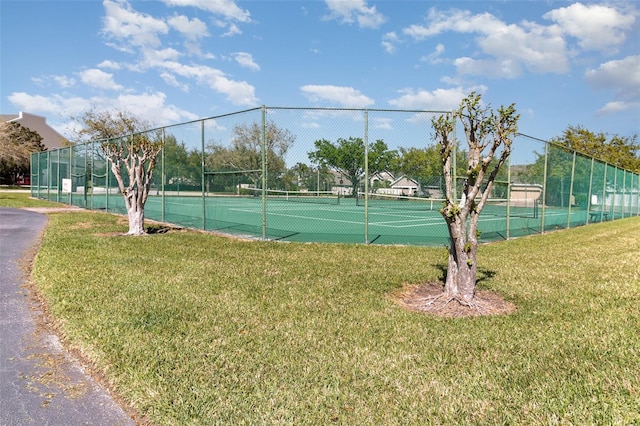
404 182
50 137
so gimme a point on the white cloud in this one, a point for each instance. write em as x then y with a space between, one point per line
192 29
226 8
623 77
99 79
233 30
389 41
596 26
109 65
461 21
434 57
351 11
246 60
123 24
382 123
618 106
64 81
510 48
237 92
151 107
436 100
33 103
60 80
347 97
171 80
504 68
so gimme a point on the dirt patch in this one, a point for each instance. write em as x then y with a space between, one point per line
430 299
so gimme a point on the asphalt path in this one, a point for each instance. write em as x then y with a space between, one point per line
40 382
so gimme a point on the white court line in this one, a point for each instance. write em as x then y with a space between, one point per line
409 220
300 217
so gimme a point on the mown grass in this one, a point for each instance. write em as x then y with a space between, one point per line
191 328
18 199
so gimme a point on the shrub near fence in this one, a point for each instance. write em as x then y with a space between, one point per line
249 173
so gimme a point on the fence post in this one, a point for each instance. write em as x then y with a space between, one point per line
366 177
264 173
544 185
508 233
163 175
615 192
604 192
586 220
624 192
573 171
202 180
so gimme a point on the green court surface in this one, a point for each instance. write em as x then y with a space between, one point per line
343 220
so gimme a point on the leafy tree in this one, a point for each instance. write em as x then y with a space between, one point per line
347 157
620 151
17 143
128 151
182 167
420 163
245 152
485 132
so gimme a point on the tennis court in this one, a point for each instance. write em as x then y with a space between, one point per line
322 218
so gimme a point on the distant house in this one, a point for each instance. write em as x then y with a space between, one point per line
381 179
402 186
50 137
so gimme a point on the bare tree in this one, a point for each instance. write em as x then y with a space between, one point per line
245 150
485 132
129 151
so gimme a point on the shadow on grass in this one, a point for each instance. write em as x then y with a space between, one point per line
483 273
161 229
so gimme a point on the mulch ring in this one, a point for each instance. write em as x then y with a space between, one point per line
430 299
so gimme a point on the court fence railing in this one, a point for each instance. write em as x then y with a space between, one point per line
265 173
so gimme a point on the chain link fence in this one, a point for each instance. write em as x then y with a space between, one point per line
337 175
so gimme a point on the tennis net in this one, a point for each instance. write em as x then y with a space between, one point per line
493 206
314 197
401 202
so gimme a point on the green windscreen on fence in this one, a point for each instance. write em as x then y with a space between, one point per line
262 173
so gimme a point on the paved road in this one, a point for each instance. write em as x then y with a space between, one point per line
40 382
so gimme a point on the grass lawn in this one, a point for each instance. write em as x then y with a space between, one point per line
191 328
19 198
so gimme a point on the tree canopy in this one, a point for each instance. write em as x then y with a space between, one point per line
347 156
244 153
17 143
106 124
620 151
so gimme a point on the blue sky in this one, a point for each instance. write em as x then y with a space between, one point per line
561 63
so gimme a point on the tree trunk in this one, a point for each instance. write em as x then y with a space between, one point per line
135 212
460 283
136 220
